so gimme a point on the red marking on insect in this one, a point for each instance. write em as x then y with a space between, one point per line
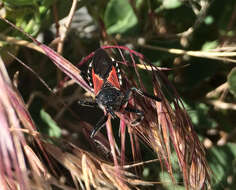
97 82
113 79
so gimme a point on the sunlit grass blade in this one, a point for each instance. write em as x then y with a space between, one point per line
63 64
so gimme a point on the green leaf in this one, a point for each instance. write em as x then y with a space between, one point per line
209 20
20 2
166 179
171 4
167 182
31 26
26 2
209 45
119 17
222 163
53 130
198 112
232 81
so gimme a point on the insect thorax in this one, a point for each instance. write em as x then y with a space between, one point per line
110 97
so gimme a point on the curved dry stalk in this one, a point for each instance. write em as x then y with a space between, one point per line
30 45
64 33
220 89
111 140
222 105
222 56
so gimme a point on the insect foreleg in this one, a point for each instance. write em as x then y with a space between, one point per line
111 111
138 112
88 103
99 125
138 91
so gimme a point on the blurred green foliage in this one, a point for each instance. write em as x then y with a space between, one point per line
53 130
232 81
118 21
158 23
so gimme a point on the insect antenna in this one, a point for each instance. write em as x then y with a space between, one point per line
140 92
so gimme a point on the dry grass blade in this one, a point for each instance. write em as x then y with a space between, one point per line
221 55
13 143
12 164
14 148
189 150
87 167
12 40
175 127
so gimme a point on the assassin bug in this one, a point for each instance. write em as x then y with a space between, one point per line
105 78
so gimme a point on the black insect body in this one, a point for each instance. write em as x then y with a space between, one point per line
105 78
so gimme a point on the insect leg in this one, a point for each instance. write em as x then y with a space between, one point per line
87 103
133 89
99 125
138 112
110 110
